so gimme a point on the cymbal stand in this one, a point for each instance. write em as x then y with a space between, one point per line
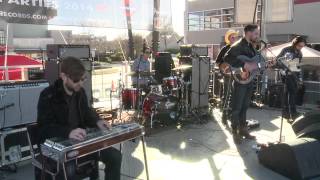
121 85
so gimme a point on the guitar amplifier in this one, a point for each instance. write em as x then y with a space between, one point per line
194 50
18 102
59 51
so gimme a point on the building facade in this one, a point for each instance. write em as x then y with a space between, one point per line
30 40
206 22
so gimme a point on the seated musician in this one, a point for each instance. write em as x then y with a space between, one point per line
230 38
141 64
64 112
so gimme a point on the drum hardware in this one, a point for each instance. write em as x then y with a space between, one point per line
182 67
141 73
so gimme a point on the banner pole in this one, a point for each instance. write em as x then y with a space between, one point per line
6 55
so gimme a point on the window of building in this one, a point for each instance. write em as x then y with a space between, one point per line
211 19
2 37
195 21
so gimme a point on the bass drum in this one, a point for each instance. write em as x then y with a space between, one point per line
162 107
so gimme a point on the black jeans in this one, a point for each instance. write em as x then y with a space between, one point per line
227 86
241 96
291 94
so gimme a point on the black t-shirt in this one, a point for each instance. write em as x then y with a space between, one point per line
74 114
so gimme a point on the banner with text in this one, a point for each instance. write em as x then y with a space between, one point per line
85 13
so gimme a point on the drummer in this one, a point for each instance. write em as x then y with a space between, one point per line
141 64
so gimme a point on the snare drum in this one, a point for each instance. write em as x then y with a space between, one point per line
129 98
170 82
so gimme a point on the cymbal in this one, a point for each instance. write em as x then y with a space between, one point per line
142 73
182 67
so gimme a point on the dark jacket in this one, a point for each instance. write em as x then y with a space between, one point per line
53 112
292 51
294 55
242 47
222 53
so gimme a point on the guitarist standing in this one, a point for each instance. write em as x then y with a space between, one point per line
230 38
292 78
241 93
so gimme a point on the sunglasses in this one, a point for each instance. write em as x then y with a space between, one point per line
82 79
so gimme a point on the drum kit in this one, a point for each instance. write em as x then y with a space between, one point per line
158 102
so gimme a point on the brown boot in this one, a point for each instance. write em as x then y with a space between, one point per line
236 136
244 132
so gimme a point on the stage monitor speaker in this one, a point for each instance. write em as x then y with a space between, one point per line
59 51
299 159
308 125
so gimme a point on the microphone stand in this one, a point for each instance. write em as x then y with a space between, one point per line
138 87
284 97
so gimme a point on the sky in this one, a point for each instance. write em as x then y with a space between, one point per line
177 12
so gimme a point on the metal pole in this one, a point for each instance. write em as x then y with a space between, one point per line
6 54
156 26
145 157
129 26
263 22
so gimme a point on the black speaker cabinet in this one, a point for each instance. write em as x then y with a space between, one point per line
308 125
299 159
275 95
163 65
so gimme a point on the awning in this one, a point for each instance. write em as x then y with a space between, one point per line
15 64
306 51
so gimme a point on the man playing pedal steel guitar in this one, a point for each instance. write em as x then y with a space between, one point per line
241 93
64 112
